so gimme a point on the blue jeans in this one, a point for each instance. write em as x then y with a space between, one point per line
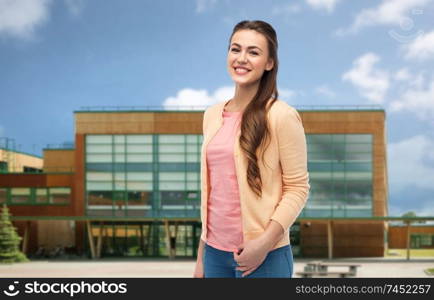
218 263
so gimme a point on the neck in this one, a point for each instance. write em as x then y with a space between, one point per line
244 94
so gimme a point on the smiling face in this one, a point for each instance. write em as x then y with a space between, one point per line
248 57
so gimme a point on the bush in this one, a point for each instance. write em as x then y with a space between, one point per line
9 240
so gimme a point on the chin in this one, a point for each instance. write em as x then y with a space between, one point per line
244 82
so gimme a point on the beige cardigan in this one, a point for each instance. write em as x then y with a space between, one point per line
285 180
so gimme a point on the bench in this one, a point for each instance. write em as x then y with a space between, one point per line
310 274
322 267
352 267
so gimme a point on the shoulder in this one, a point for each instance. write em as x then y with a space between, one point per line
214 109
282 111
211 113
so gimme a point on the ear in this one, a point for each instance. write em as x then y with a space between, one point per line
269 65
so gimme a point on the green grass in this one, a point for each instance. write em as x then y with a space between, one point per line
413 253
430 271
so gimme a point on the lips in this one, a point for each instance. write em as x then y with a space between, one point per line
241 70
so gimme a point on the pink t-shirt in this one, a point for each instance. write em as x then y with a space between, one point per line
224 225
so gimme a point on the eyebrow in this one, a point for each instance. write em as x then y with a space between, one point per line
250 47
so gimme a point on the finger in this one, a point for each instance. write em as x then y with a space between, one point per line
242 268
235 256
238 257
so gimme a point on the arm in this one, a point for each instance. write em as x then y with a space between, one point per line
295 189
272 235
198 271
293 160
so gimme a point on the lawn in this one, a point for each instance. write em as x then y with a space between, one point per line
413 253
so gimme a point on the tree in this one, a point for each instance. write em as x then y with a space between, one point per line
411 214
9 240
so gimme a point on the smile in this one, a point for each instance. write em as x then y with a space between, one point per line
241 71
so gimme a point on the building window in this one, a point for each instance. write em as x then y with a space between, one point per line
421 240
341 172
3 167
133 170
3 195
20 195
41 195
31 196
31 170
139 198
59 195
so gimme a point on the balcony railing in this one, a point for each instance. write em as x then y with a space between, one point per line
203 107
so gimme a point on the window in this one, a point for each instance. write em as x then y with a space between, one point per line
100 198
341 171
20 195
42 195
127 175
59 195
3 195
31 170
3 167
139 198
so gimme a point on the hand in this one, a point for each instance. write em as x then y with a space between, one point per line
198 270
251 255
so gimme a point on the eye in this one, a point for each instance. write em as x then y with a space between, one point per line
234 50
254 53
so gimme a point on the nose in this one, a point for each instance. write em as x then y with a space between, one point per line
242 57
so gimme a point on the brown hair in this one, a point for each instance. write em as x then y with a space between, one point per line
254 127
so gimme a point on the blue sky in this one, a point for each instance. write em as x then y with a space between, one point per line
57 56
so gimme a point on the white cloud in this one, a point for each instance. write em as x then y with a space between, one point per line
426 210
20 18
407 79
402 75
411 155
418 100
421 48
191 99
286 9
204 5
286 94
325 90
74 6
327 5
371 82
388 12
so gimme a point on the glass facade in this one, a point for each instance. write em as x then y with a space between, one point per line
159 175
148 240
340 169
143 175
421 240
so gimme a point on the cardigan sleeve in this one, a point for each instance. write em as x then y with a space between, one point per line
293 160
204 121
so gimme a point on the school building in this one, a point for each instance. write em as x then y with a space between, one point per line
130 185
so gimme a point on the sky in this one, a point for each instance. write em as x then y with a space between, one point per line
59 56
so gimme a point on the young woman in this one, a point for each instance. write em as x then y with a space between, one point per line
254 179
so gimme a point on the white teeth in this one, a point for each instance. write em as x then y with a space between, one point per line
239 70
